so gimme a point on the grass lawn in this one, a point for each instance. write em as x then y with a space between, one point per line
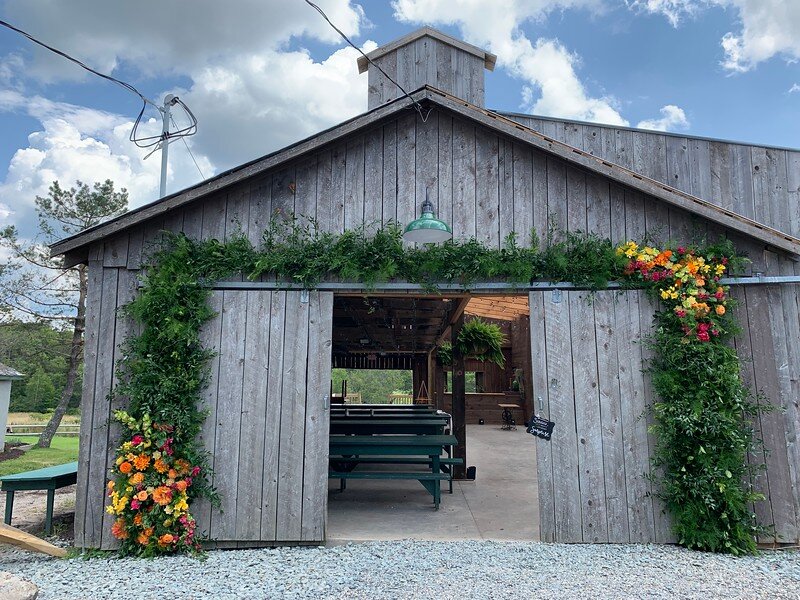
62 450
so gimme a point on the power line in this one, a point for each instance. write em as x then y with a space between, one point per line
141 142
417 105
183 138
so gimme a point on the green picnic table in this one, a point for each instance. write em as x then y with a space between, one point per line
379 425
342 447
49 478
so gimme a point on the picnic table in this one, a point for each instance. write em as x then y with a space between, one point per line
433 425
49 478
344 449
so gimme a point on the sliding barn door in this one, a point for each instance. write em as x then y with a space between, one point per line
267 427
588 378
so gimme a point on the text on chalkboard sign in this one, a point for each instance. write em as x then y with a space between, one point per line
541 427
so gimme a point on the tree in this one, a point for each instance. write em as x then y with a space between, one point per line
37 286
40 393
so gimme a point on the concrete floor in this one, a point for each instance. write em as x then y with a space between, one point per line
501 504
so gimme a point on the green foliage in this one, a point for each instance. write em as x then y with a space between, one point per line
703 440
298 251
482 341
444 354
32 346
373 385
583 259
165 368
40 393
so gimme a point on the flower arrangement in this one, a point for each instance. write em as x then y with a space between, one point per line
149 491
688 283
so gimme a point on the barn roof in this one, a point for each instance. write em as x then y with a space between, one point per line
76 247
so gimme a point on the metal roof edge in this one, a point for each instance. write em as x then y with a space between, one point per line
512 114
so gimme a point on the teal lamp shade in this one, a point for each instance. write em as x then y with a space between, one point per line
427 229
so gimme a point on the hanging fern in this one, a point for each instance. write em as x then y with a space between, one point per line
482 341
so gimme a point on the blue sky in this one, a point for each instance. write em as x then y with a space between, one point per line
263 73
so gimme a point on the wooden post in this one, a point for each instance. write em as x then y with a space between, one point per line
459 403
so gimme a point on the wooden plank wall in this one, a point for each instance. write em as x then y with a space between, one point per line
758 182
587 370
267 428
426 61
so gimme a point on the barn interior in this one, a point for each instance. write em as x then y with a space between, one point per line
405 333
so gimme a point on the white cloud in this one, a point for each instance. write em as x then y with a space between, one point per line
90 145
795 88
672 118
674 10
547 66
768 27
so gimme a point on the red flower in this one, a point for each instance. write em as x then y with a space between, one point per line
137 439
703 336
680 313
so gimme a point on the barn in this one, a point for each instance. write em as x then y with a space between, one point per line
487 174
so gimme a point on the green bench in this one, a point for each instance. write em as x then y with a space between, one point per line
429 447
49 478
446 463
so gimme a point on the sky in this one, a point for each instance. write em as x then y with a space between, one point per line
261 74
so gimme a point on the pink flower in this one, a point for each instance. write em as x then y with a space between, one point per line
137 439
680 313
195 471
135 504
703 336
724 261
714 332
681 250
719 295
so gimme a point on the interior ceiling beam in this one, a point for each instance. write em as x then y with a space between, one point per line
457 310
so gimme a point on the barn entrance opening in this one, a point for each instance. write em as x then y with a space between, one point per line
403 340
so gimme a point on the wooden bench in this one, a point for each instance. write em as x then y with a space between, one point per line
381 425
344 447
49 478
445 463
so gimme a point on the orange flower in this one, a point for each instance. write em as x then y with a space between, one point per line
173 474
720 309
110 485
125 467
118 529
141 462
165 539
143 539
136 478
162 495
182 466
137 520
141 496
181 485
161 466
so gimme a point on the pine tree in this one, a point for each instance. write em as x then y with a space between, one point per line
38 286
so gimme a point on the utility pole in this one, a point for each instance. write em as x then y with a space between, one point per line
169 101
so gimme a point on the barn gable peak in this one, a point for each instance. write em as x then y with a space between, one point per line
427 57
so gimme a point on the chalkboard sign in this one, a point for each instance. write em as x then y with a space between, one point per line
541 427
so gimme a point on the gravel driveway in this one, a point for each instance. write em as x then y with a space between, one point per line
407 569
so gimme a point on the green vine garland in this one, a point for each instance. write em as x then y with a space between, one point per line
701 420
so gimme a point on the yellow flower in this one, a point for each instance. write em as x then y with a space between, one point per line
719 269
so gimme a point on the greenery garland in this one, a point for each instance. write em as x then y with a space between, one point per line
701 418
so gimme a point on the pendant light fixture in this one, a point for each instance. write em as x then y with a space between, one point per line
427 229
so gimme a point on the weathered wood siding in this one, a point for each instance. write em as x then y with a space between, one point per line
588 379
426 61
588 361
761 183
267 429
